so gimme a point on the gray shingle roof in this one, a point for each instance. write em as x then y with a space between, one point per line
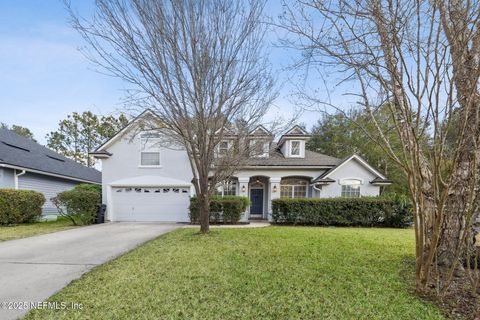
19 151
276 158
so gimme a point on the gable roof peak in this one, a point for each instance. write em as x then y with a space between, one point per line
360 160
142 115
295 131
260 130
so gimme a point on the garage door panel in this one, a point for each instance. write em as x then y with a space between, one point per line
135 204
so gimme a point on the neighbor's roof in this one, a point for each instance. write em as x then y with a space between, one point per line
312 159
24 153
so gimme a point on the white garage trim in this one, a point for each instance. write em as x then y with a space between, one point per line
150 181
149 199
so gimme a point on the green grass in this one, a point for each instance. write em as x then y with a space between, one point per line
33 229
264 273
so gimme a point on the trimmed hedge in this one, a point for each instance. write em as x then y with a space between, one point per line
393 212
80 204
20 206
88 187
228 209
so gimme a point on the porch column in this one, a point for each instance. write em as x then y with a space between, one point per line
274 191
243 191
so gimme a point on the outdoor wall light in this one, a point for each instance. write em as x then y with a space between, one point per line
274 188
244 189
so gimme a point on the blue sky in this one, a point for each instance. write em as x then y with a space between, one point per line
44 77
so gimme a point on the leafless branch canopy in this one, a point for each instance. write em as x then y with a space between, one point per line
200 65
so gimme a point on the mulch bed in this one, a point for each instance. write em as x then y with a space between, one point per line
461 301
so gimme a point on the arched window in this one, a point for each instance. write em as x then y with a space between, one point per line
227 188
351 188
293 188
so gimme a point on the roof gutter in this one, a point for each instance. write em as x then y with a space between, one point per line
4 165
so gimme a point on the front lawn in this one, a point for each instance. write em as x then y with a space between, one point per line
264 273
33 229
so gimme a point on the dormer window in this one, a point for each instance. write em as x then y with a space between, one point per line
292 143
150 150
259 148
295 148
223 148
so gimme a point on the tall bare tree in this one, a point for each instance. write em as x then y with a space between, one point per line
200 65
404 54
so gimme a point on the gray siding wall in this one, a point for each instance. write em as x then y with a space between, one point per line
47 185
7 178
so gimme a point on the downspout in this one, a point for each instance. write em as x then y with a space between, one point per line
16 177
314 186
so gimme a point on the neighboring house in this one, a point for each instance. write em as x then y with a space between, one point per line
147 178
27 165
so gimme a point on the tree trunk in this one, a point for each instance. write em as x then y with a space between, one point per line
460 212
204 210
461 209
420 173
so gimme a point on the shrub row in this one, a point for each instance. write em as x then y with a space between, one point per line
80 204
228 209
20 206
393 212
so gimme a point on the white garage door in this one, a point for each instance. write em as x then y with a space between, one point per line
151 204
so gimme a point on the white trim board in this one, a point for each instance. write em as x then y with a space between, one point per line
359 159
296 127
109 142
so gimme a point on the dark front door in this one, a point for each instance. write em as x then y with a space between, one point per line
256 200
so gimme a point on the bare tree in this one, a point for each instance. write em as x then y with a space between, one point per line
399 54
199 65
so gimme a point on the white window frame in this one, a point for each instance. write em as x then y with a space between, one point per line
353 186
150 145
219 153
299 155
221 147
221 188
265 148
293 187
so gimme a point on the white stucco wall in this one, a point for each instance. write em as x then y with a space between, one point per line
274 177
351 170
125 163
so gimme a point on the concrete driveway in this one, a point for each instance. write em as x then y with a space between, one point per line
33 269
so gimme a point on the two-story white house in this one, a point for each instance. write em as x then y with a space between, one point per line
146 180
